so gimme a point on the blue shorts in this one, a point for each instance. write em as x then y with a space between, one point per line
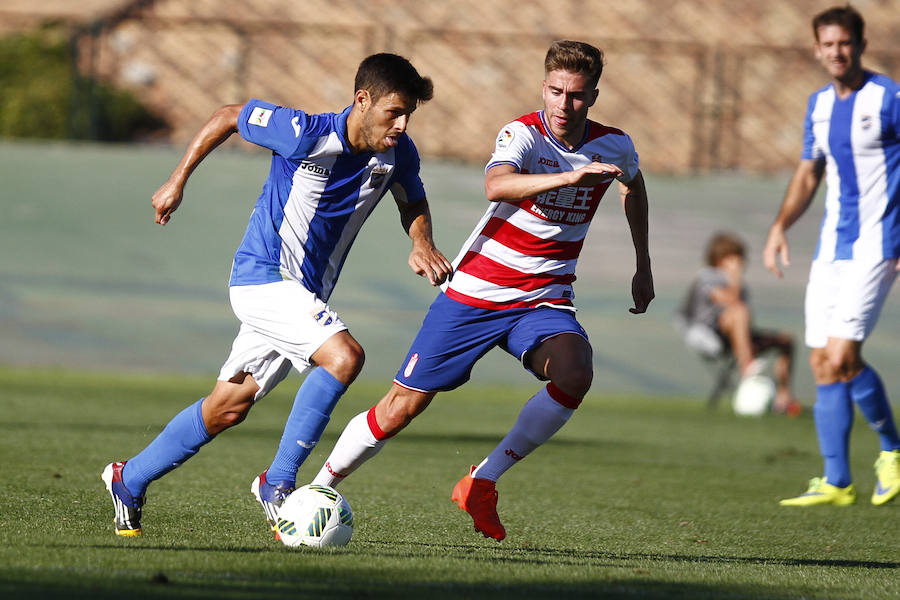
454 336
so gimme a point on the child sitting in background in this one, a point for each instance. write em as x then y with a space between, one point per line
717 319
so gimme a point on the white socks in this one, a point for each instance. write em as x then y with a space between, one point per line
356 445
541 417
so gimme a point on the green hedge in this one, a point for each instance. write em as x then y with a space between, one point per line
43 96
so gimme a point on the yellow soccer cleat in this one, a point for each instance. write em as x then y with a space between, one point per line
821 492
887 477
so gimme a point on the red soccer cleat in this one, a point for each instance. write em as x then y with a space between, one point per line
478 497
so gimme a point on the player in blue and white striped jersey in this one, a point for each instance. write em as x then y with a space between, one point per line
852 137
328 172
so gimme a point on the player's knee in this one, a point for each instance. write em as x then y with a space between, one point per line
575 380
844 365
398 408
820 366
346 362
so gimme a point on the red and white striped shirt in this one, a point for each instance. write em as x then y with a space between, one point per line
523 254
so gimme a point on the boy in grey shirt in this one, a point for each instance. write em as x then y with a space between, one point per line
717 318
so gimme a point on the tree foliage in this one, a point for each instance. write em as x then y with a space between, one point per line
42 95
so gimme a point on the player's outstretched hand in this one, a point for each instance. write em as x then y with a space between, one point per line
776 248
595 173
641 292
428 262
166 200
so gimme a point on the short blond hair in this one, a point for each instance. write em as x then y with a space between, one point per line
575 57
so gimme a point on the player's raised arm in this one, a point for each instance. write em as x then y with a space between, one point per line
217 129
634 201
424 259
797 199
504 182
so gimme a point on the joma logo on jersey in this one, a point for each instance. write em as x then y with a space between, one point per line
549 162
314 168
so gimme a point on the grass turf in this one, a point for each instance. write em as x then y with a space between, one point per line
635 497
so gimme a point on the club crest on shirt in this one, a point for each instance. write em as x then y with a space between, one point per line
505 138
378 175
865 121
323 317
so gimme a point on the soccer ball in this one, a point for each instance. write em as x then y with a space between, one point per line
315 515
754 396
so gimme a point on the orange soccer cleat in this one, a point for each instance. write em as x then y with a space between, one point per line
478 497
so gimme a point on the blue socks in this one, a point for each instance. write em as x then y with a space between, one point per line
834 418
315 400
180 440
867 392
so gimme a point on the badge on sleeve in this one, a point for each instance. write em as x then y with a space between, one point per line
260 116
505 139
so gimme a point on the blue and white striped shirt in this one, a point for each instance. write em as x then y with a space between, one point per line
316 197
859 138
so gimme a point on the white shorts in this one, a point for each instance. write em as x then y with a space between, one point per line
844 298
282 324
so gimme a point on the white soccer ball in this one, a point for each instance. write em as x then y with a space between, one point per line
754 396
315 515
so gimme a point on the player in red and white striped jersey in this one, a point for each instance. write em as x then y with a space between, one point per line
523 251
512 281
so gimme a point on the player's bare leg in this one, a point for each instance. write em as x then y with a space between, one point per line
229 403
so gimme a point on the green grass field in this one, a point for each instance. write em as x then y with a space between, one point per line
634 498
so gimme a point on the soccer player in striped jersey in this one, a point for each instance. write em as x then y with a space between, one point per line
328 172
512 280
852 137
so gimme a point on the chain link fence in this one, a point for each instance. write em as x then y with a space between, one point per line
701 86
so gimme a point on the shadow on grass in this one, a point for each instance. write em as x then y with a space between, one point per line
611 575
578 557
273 433
517 554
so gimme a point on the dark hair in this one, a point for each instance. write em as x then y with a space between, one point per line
382 74
575 57
721 245
845 16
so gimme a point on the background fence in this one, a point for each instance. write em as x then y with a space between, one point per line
700 85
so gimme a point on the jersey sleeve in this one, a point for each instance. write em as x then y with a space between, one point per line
514 144
629 163
811 151
406 185
281 130
894 111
